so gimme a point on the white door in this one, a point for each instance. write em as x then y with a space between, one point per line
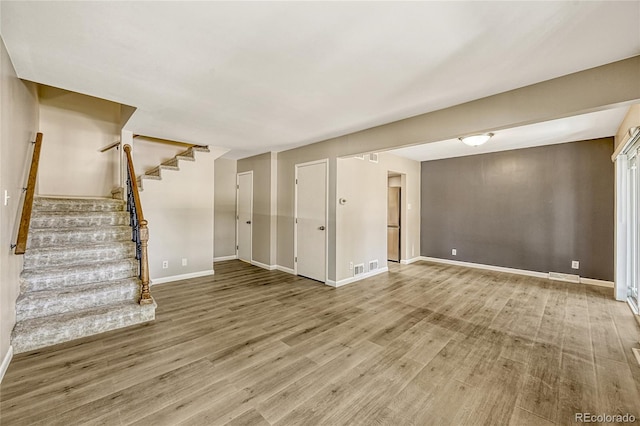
244 215
311 220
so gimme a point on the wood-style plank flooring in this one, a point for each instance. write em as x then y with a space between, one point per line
422 344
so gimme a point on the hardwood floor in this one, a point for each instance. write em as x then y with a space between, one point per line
423 344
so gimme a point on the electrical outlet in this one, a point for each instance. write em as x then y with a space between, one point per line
165 264
351 266
408 206
575 264
184 261
454 252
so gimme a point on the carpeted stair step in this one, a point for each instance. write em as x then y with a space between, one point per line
172 163
78 219
69 276
36 304
46 331
76 255
157 171
46 237
55 204
188 155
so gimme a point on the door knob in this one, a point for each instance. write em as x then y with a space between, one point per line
248 222
321 228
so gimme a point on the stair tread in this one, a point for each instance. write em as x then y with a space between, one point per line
81 288
45 213
84 246
72 229
109 200
59 318
62 204
62 270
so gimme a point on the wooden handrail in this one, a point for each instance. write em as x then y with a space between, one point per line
134 182
27 207
169 142
115 144
141 229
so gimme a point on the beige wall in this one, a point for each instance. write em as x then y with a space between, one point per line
225 207
632 119
18 125
179 209
75 127
264 201
361 223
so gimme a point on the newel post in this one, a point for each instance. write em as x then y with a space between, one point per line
145 296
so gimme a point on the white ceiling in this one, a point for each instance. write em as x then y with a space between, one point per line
259 76
580 127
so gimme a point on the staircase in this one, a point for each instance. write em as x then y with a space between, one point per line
80 274
172 164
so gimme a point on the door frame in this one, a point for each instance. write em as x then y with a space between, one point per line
324 161
250 172
622 253
405 252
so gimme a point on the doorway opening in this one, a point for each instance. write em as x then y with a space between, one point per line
395 202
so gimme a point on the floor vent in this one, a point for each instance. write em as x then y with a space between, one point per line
358 269
558 276
373 265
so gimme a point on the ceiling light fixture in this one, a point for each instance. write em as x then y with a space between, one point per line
476 140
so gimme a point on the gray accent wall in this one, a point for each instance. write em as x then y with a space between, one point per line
535 209
264 204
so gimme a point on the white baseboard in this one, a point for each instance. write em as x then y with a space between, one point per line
601 283
570 278
285 269
409 261
263 265
487 267
357 278
181 277
5 362
223 258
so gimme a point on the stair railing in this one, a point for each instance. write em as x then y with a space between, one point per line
27 207
139 225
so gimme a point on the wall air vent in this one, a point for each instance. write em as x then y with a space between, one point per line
373 265
358 269
373 157
558 276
